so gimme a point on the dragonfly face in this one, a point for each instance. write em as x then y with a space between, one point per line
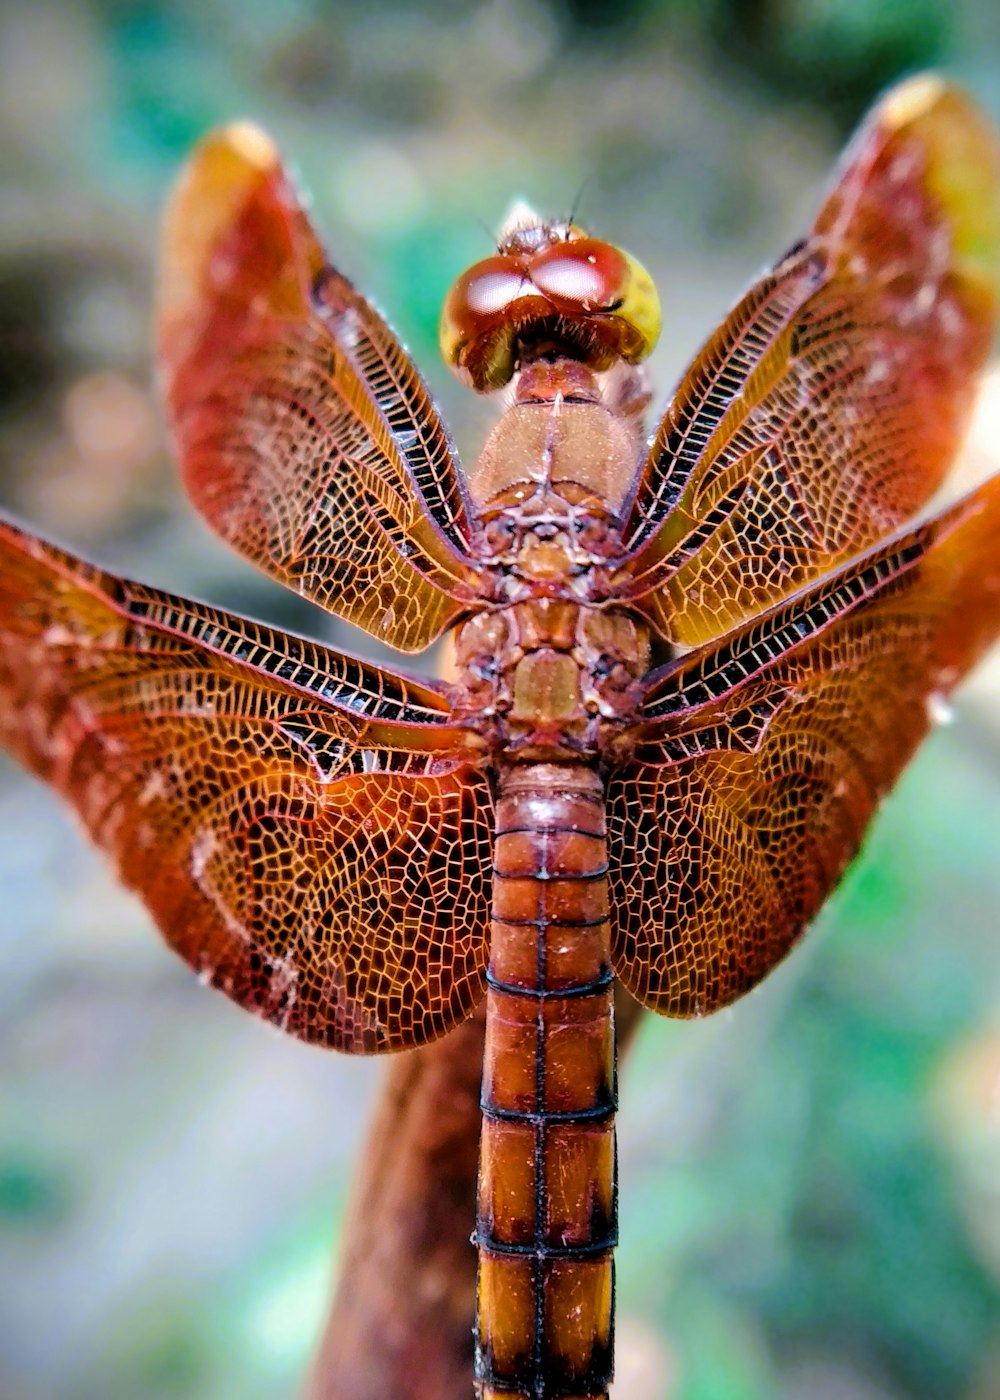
549 291
360 856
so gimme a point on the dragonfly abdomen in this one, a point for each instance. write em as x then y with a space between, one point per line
546 1224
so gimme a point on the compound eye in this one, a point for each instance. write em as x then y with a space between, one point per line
586 277
582 275
478 308
490 287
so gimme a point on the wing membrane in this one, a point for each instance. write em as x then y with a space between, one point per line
824 411
767 754
309 832
305 435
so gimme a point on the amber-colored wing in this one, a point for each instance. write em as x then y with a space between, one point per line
766 755
823 412
305 435
307 830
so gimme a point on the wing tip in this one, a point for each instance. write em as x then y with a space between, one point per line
962 173
218 181
912 99
245 140
220 171
223 164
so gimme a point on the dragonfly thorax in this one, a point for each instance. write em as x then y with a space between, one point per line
550 677
563 446
549 670
549 542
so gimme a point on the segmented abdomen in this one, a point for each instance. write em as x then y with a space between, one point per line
546 1224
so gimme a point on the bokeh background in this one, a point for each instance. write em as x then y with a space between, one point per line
810 1181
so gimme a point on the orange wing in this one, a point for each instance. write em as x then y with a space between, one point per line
826 408
765 756
305 435
309 832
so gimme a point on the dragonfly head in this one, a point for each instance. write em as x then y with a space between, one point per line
549 290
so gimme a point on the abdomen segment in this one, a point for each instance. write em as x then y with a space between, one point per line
546 1224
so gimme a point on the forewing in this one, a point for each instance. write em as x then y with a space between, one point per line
824 411
305 435
307 831
765 756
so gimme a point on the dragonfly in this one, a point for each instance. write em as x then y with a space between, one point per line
687 668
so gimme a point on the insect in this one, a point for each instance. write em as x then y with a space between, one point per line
686 671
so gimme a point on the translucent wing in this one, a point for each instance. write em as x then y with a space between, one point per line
305 435
824 411
309 832
766 754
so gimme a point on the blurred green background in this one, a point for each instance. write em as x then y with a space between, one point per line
810 1181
